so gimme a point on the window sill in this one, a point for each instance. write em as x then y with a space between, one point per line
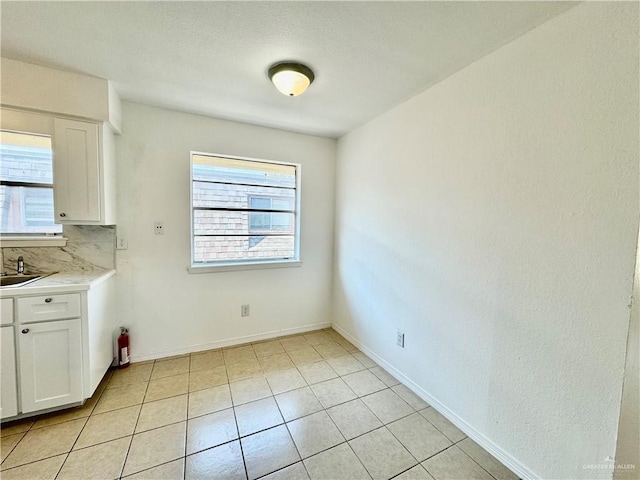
9 241
231 267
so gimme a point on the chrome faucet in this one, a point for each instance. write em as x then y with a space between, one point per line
20 267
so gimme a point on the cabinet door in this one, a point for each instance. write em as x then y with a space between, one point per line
6 310
8 392
50 364
76 168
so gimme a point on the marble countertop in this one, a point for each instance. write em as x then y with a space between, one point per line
60 282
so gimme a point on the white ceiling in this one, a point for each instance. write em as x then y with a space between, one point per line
211 58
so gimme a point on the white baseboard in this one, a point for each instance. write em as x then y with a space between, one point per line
504 457
228 342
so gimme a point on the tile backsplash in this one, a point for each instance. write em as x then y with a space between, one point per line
89 248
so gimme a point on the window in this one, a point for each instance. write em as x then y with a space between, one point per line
270 222
26 184
243 210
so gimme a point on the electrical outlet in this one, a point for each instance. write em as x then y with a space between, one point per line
244 310
121 242
158 228
400 339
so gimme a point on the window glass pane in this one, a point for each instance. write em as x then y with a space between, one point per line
231 170
243 210
219 195
209 249
27 210
25 158
278 203
259 221
260 203
214 222
281 222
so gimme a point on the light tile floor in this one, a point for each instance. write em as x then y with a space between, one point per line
300 407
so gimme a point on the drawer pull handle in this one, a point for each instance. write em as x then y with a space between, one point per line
25 330
63 214
48 300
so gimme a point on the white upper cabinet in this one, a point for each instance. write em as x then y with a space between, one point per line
76 164
83 151
84 165
84 173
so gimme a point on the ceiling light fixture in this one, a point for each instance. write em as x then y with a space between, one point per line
290 78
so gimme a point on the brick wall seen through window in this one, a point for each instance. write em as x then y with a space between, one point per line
243 210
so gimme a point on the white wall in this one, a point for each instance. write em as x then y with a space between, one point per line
169 310
628 447
493 219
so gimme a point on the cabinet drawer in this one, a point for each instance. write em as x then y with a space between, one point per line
48 307
6 311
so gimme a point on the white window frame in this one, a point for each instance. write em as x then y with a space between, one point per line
31 124
245 264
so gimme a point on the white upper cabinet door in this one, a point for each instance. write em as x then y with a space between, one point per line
50 364
8 392
76 164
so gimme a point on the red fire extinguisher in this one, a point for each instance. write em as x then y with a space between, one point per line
123 348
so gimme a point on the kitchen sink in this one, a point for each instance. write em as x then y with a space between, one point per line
19 280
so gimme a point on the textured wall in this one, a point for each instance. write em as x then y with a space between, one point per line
493 218
628 447
169 310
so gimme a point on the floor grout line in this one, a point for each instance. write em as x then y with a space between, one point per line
265 373
239 436
126 457
186 427
473 459
53 425
244 460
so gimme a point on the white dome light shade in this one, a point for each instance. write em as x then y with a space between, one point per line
291 79
290 83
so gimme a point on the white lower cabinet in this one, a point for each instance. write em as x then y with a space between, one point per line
8 385
56 347
50 356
